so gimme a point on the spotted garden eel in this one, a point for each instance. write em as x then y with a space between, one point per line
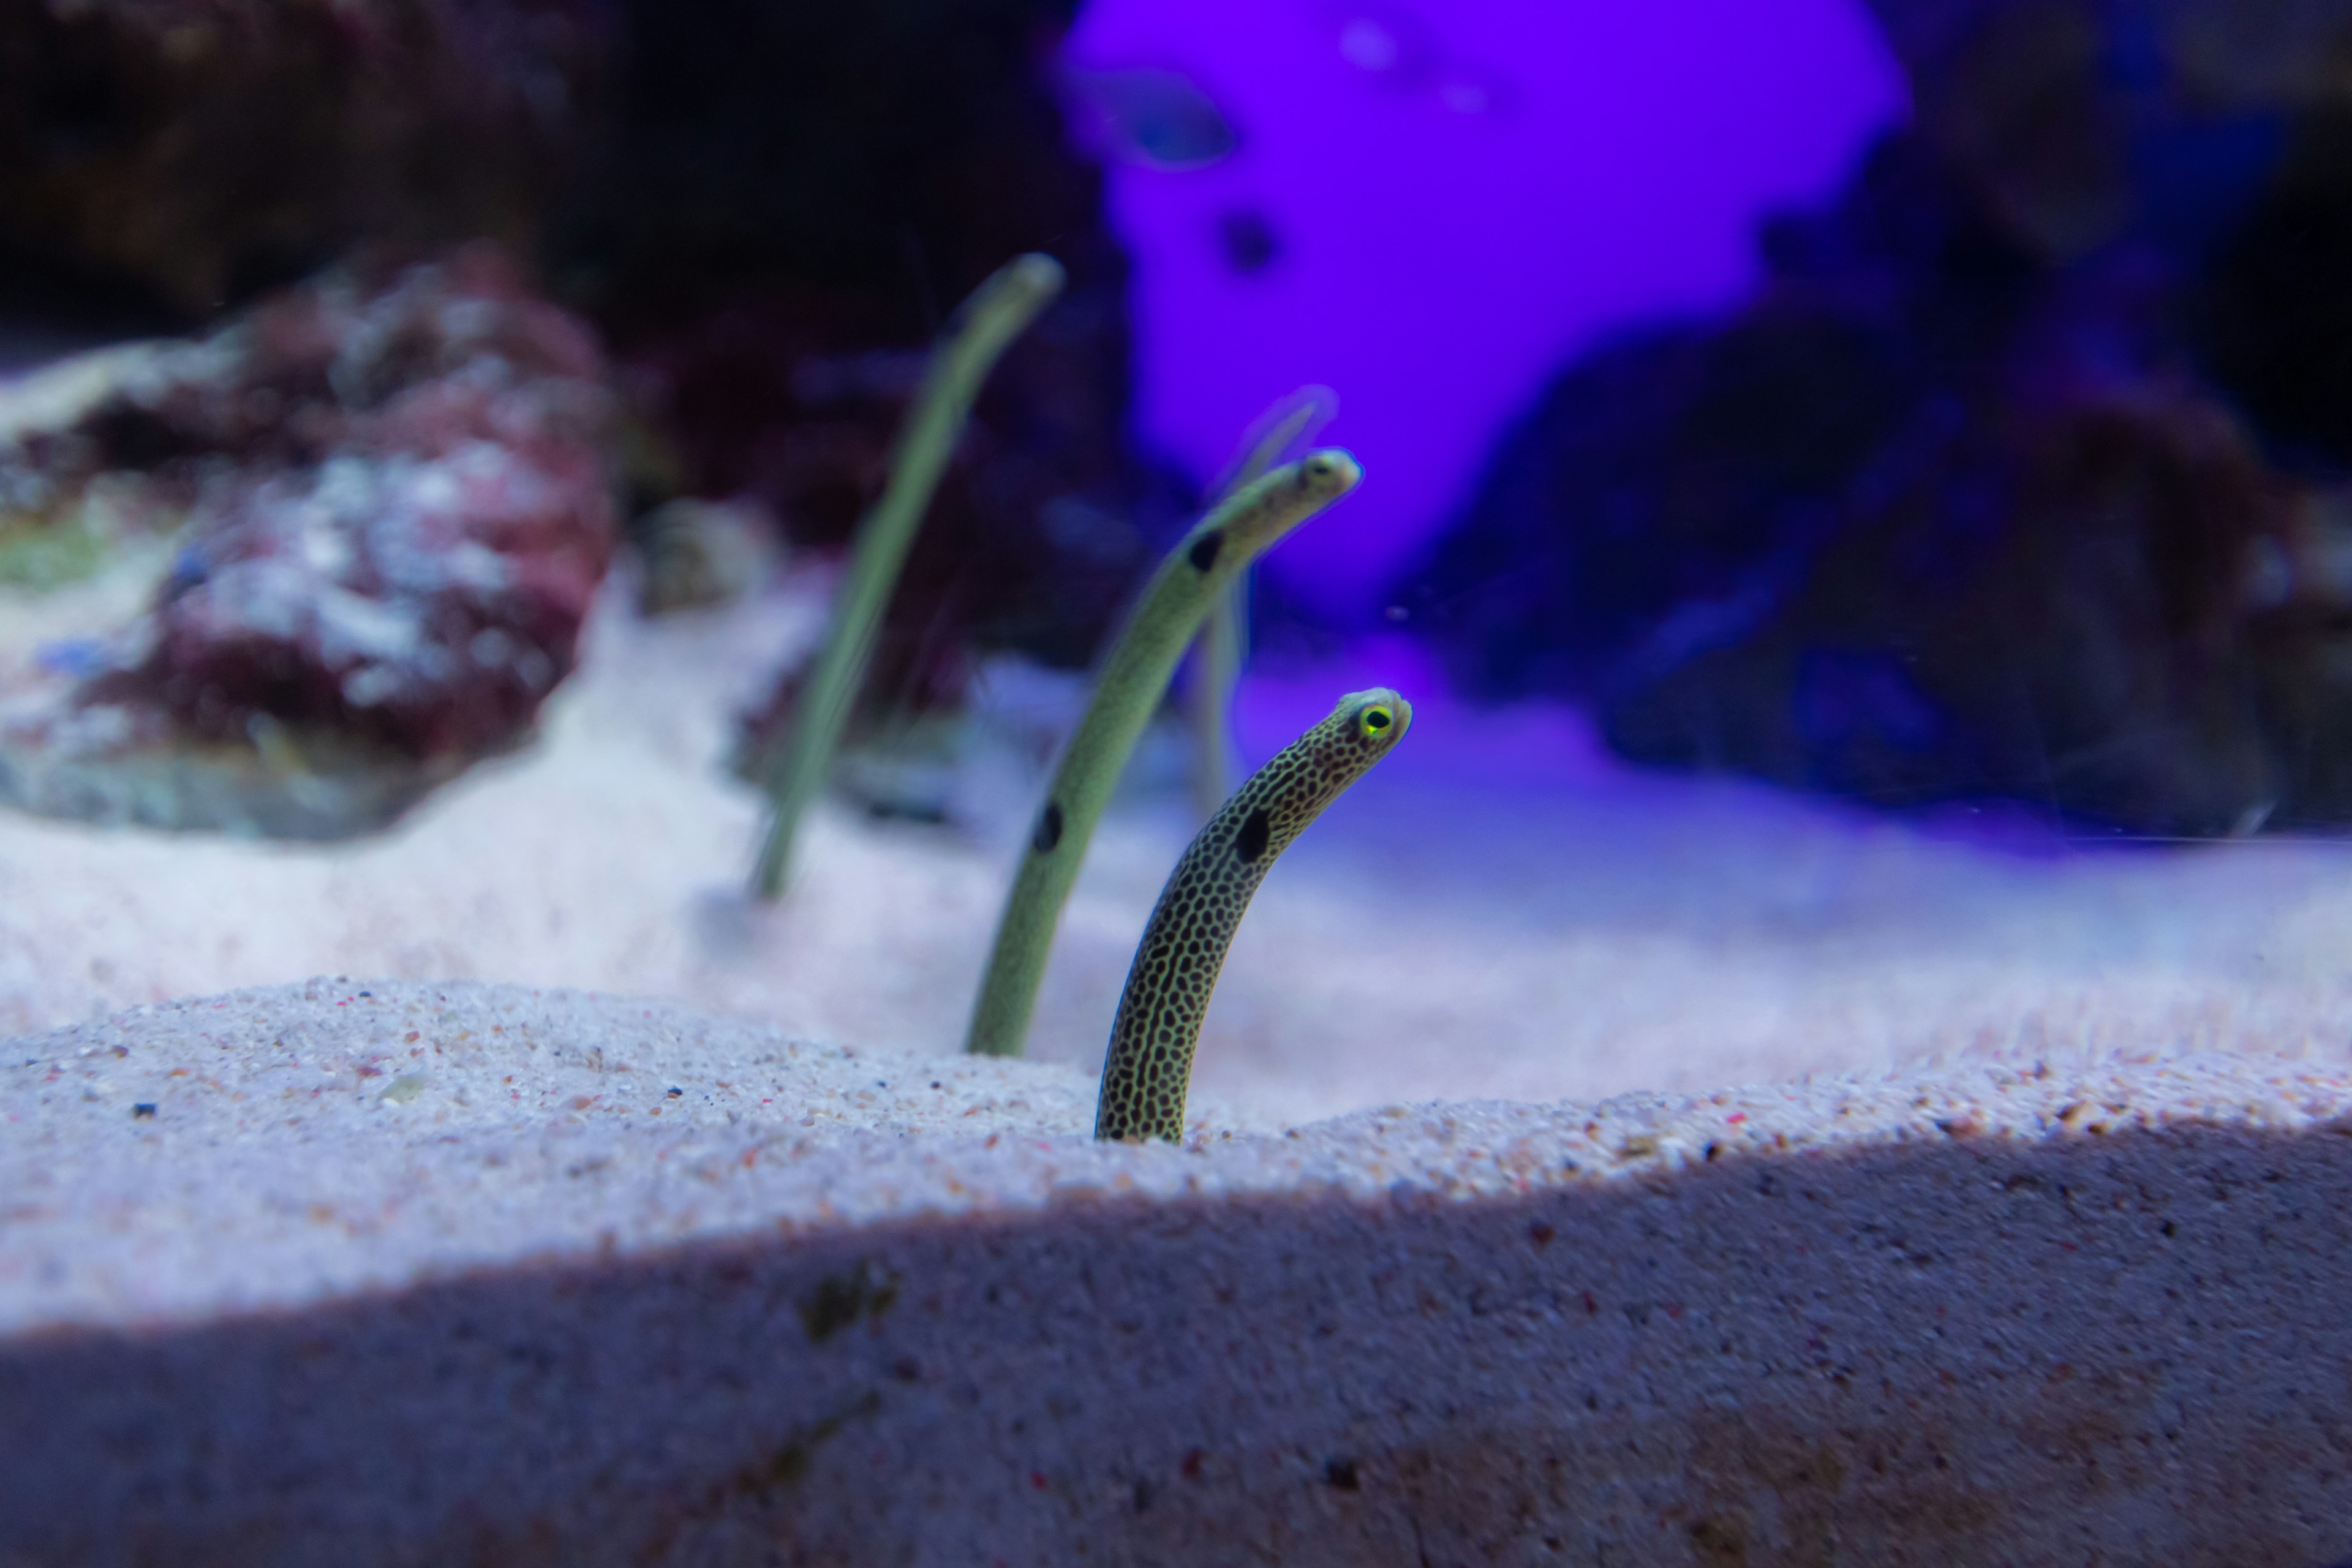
995 314
1151 1040
1134 676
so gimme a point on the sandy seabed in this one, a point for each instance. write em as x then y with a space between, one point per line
2046 1265
1497 912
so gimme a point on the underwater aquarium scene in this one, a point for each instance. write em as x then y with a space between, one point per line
1176 782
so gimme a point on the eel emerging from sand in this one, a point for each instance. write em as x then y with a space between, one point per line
1205 563
984 328
1150 1062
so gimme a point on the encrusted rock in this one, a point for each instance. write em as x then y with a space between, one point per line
767 211
794 199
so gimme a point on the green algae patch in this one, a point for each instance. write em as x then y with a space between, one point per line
41 552
840 1301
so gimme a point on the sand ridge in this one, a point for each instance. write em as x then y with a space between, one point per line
350 1296
1495 912
280 1147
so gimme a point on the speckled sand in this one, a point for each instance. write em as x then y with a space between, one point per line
424 1275
2033 1249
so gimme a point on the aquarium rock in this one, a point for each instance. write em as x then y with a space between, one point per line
386 507
2084 123
378 1273
2024 474
192 153
765 210
784 204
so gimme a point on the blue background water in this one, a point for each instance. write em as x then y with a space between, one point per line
1460 196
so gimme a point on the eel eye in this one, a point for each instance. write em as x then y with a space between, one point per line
1375 721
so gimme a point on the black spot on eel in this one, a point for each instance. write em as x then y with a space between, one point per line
1149 1067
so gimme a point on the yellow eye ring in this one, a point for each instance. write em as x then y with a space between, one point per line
1374 722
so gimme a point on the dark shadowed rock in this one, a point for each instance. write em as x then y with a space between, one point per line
2024 474
200 149
794 199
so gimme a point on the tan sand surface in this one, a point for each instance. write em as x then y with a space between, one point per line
1494 912
418 1275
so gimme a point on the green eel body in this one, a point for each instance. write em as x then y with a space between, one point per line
1150 1062
1224 639
1135 675
995 314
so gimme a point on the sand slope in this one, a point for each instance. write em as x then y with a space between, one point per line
450 1274
1493 911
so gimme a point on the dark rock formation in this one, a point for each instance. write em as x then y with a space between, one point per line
2023 476
391 509
794 199
199 151
766 211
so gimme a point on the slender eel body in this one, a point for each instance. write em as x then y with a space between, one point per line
1133 677
997 312
1149 1065
1290 424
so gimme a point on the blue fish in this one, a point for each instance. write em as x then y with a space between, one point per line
1157 119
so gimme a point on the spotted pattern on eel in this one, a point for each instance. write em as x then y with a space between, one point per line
1134 676
1149 1067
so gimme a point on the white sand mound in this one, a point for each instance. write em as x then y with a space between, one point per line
1491 913
387 1273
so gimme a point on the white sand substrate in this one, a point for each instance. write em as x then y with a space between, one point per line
1493 911
421 1275
2031 1247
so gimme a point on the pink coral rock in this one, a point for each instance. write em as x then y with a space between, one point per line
393 512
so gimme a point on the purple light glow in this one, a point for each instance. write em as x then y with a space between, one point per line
1457 196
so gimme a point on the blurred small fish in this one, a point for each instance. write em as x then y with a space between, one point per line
1398 49
1466 90
1154 118
1369 44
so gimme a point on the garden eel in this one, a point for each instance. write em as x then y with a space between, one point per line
1134 676
995 314
1158 1023
1294 421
